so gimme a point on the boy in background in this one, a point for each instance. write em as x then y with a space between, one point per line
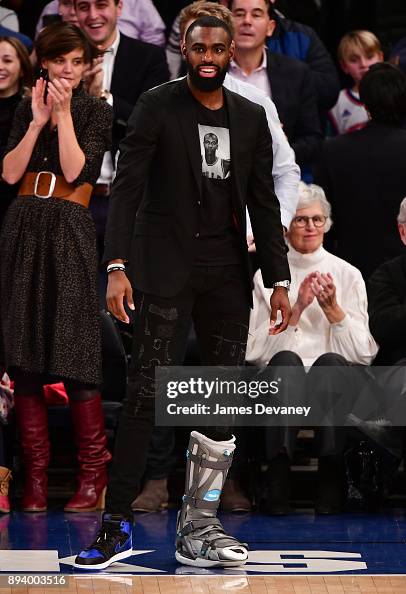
357 52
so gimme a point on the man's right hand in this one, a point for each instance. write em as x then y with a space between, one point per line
93 77
118 289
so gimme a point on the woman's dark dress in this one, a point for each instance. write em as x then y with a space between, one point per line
48 263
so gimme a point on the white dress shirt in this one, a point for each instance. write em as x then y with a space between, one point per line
314 335
258 77
107 168
285 171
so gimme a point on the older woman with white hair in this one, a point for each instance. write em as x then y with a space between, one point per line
329 326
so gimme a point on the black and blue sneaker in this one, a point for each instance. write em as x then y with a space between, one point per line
113 543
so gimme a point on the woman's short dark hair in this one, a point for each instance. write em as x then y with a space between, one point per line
383 91
24 58
61 38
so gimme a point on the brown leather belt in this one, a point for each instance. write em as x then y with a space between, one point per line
46 184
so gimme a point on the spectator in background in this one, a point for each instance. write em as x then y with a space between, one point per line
387 303
139 19
387 321
26 41
15 77
364 174
66 10
128 68
302 42
286 80
328 327
357 52
8 19
398 54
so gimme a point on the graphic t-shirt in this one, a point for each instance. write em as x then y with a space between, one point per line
218 242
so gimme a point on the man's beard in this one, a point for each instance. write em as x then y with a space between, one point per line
206 85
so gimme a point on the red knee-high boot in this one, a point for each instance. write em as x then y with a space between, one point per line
93 455
32 422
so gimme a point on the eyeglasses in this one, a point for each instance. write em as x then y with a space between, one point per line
317 220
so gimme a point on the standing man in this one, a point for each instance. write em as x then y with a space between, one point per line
183 237
127 69
287 81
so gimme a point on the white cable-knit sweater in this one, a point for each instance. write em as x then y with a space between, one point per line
314 335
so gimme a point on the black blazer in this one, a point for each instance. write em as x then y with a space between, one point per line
154 207
138 66
294 94
387 310
364 177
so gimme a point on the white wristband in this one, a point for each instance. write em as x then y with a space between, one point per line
115 266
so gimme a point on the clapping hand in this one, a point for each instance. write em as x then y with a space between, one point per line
60 92
41 110
93 77
325 292
305 297
323 288
306 294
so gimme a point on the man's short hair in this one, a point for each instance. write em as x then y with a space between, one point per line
209 22
361 42
383 91
202 8
269 4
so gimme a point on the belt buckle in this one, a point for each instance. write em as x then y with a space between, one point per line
51 184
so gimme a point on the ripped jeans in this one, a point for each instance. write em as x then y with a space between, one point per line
216 299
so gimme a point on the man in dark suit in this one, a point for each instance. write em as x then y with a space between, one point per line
127 69
364 174
183 235
387 303
287 81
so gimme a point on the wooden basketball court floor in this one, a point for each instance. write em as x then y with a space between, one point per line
300 553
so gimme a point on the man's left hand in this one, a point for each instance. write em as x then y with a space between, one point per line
279 302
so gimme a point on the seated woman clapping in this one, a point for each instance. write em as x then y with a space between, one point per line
328 327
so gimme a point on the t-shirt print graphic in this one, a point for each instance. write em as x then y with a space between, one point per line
215 151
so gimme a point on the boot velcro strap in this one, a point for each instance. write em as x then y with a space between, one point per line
195 524
200 503
214 465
